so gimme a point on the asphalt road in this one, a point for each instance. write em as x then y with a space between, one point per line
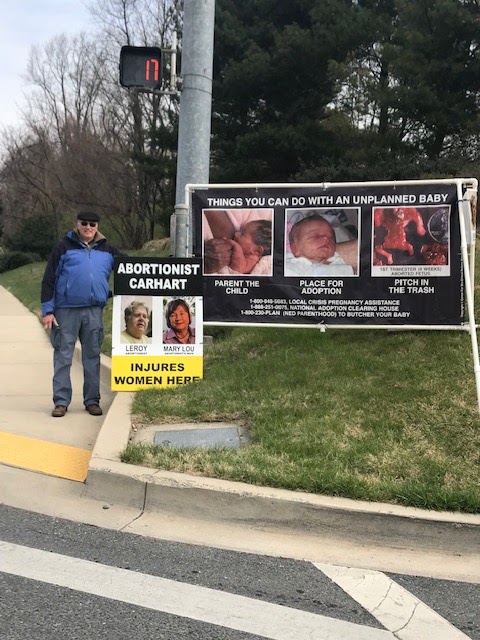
62 579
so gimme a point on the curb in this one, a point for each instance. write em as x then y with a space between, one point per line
215 500
237 503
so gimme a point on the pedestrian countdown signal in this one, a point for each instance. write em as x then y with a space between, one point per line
141 67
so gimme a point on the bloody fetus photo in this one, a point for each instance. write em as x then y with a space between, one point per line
411 237
395 230
435 249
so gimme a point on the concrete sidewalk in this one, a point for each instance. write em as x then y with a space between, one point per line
25 406
26 367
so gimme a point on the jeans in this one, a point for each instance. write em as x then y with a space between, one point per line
86 325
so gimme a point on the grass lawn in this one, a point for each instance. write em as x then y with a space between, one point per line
377 415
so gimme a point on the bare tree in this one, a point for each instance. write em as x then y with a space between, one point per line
86 140
145 122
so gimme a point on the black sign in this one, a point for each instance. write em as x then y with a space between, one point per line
381 254
157 276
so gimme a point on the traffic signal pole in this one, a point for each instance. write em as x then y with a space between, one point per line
193 155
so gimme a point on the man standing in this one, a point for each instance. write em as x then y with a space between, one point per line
74 291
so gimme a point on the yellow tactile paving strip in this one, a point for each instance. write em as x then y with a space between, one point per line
51 458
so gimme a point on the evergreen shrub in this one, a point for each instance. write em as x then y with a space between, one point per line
16 259
35 234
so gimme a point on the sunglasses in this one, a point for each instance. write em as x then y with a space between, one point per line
84 223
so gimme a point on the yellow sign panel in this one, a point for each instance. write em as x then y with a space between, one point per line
131 373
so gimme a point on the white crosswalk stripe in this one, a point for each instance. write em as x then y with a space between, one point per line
403 615
399 611
189 601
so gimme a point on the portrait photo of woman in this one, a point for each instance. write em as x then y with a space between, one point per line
179 322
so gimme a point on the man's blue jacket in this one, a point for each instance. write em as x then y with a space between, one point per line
77 275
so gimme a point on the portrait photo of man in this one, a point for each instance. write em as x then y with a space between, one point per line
137 320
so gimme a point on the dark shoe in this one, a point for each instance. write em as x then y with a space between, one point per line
59 411
94 409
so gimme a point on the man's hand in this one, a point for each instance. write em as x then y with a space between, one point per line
218 253
49 321
348 250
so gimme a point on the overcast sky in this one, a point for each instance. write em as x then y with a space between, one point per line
24 23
